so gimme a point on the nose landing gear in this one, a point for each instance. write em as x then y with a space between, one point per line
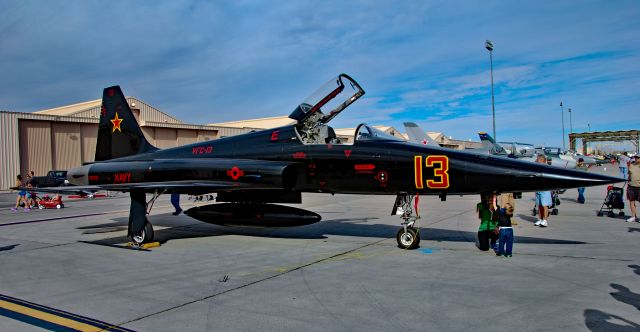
408 237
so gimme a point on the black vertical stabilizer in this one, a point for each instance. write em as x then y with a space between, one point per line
119 134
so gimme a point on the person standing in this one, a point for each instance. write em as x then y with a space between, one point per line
509 198
543 200
505 231
581 166
624 160
633 188
486 212
175 201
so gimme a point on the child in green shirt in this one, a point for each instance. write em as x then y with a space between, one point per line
487 213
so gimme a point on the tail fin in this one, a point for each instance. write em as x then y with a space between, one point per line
416 134
119 134
490 144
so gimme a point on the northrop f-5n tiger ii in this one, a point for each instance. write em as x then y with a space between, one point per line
251 171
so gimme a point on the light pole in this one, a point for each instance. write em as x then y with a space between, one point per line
489 46
564 145
570 127
589 125
570 123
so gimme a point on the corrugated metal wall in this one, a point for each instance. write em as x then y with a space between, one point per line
186 136
149 113
166 138
9 149
205 135
66 144
89 133
35 146
149 134
227 131
93 112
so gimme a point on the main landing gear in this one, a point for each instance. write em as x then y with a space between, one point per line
140 229
408 236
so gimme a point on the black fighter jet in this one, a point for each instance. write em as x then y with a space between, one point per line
277 165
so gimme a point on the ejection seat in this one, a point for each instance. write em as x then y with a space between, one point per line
331 137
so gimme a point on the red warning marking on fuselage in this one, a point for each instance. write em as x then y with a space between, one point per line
367 168
299 155
347 153
202 149
94 178
235 173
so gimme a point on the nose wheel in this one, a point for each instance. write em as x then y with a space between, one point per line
408 237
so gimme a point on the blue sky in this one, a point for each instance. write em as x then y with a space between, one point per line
421 61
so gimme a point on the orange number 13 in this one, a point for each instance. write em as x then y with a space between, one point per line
440 165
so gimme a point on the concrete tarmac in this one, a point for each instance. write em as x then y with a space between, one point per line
344 273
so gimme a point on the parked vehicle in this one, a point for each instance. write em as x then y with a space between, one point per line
52 179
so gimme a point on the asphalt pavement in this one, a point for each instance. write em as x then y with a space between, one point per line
345 273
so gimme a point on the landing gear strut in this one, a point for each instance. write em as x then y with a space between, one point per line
140 229
408 236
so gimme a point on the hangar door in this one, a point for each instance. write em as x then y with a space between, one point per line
67 145
89 141
35 146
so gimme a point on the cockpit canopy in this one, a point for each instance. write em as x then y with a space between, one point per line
368 133
332 97
323 105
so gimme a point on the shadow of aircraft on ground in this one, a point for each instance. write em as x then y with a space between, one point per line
175 228
5 248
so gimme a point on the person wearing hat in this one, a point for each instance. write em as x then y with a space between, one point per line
633 187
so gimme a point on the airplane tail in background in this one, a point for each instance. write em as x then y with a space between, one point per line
490 144
417 135
119 134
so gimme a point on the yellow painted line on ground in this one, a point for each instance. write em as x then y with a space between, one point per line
48 317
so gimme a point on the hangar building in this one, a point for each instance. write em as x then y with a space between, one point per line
65 137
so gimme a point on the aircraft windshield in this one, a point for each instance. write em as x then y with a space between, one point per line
367 133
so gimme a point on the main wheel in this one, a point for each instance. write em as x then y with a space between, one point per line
600 213
554 212
610 214
409 239
145 236
534 212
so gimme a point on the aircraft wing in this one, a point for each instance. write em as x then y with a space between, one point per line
183 187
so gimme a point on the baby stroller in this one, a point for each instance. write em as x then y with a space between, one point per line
555 201
613 201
